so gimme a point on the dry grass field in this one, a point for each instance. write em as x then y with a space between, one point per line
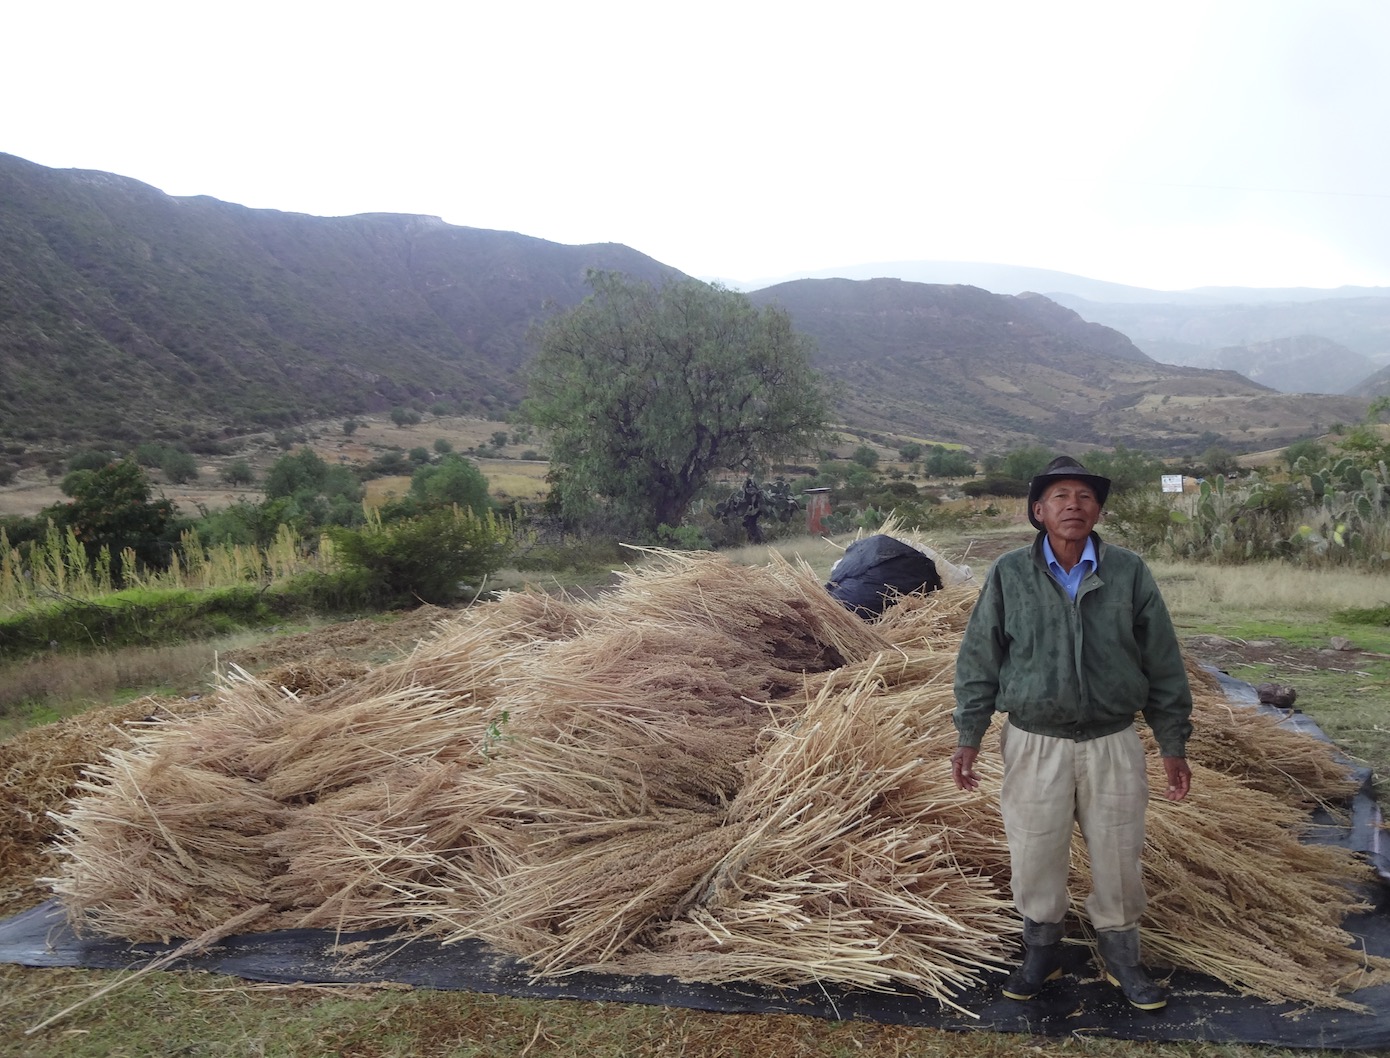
511 477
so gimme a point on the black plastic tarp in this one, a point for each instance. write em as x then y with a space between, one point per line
875 569
1199 1008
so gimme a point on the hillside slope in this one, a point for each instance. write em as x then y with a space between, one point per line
125 312
960 363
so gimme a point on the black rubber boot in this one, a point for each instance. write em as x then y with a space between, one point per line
1042 960
1119 954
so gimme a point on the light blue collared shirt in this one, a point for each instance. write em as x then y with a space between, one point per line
1071 581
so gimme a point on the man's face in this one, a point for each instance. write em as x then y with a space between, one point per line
1068 510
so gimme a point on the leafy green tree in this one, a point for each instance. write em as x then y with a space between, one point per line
441 408
1023 464
178 466
419 455
405 416
453 481
296 472
499 438
1218 460
865 456
238 473
112 507
151 453
442 446
910 452
1307 448
646 391
350 427
943 462
91 459
1127 468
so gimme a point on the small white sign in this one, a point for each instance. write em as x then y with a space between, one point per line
1172 482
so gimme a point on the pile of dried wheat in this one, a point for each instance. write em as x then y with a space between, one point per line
714 772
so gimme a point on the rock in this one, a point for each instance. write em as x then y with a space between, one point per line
1277 694
1340 643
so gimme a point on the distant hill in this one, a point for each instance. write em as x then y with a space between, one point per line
1305 363
992 369
1195 334
1014 279
127 314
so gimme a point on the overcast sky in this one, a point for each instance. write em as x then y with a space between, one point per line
1167 145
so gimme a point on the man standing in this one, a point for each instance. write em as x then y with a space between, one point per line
1070 638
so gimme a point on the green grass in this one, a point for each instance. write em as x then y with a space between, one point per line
1304 609
197 1014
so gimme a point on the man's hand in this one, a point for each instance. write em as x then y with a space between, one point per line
963 767
1179 777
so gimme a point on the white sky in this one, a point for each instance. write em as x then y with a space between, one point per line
1168 145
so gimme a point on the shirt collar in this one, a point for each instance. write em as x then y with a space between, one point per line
1088 554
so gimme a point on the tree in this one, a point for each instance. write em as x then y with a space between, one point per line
946 462
111 507
865 456
646 391
1127 468
289 474
1309 448
910 452
179 466
453 481
238 473
1023 464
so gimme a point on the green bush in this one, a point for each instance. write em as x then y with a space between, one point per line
429 558
238 473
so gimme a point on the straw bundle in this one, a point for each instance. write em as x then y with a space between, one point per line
846 870
39 770
716 772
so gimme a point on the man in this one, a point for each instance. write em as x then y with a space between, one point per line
1070 638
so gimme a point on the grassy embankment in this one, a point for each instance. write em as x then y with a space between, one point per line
202 1014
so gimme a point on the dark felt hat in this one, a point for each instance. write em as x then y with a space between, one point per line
1064 468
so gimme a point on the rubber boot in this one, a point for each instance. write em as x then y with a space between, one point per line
1042 960
1119 954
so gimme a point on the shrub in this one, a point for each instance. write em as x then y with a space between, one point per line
429 557
179 466
238 473
865 457
452 481
91 459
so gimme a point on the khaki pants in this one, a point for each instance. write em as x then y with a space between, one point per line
1052 783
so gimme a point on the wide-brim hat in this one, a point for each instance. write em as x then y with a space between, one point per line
1064 468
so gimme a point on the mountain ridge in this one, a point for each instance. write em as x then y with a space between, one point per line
128 314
